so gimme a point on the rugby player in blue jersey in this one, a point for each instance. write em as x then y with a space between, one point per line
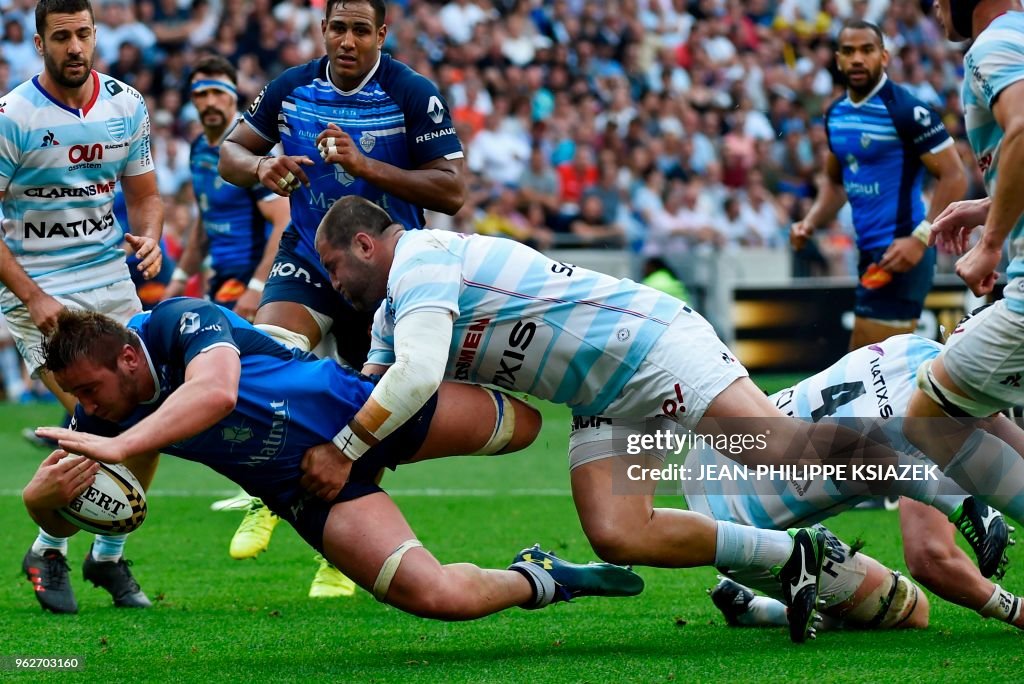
67 136
881 139
194 380
238 228
355 122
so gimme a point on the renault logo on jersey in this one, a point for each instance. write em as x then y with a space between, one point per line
922 116
367 141
865 140
189 323
851 163
435 110
116 128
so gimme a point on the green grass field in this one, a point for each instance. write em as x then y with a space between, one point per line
218 620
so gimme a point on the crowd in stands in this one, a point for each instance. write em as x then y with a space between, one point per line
656 126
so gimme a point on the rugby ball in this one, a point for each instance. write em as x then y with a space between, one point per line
114 503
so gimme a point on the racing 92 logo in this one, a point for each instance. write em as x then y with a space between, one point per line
85 153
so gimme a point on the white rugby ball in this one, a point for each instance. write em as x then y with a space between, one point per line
114 503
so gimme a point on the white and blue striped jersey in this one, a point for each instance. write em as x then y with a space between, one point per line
524 322
995 61
58 170
873 382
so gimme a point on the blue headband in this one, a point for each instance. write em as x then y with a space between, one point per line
206 83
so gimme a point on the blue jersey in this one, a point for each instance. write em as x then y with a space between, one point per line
236 228
995 61
395 116
288 401
879 142
522 321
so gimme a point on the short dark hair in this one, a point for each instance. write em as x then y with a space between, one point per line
350 215
215 65
860 24
380 8
47 7
86 335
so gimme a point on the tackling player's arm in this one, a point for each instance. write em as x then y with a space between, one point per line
831 198
977 267
950 185
146 216
422 338
277 211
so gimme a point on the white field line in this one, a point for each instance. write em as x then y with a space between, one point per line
427 492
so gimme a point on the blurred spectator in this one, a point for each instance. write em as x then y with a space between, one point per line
19 51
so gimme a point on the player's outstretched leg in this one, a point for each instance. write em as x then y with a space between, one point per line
799 577
986 530
47 570
329 582
560 580
114 575
253 534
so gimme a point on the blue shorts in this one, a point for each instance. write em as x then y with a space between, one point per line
297 278
309 514
900 300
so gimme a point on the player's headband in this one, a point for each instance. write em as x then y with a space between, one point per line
213 84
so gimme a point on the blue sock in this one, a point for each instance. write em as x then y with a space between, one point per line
108 547
45 541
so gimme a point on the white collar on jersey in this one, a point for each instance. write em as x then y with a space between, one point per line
874 91
152 371
358 87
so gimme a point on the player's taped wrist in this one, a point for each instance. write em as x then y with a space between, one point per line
923 231
256 285
350 443
179 275
1002 605
422 338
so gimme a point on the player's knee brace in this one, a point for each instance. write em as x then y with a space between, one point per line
952 403
390 567
504 423
889 605
285 336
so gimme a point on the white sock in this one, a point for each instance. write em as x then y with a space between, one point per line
45 541
739 547
764 612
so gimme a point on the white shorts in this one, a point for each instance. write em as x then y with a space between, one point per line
118 301
985 357
682 374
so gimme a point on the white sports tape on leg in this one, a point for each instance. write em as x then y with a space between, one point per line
504 423
390 567
1001 605
285 336
949 401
